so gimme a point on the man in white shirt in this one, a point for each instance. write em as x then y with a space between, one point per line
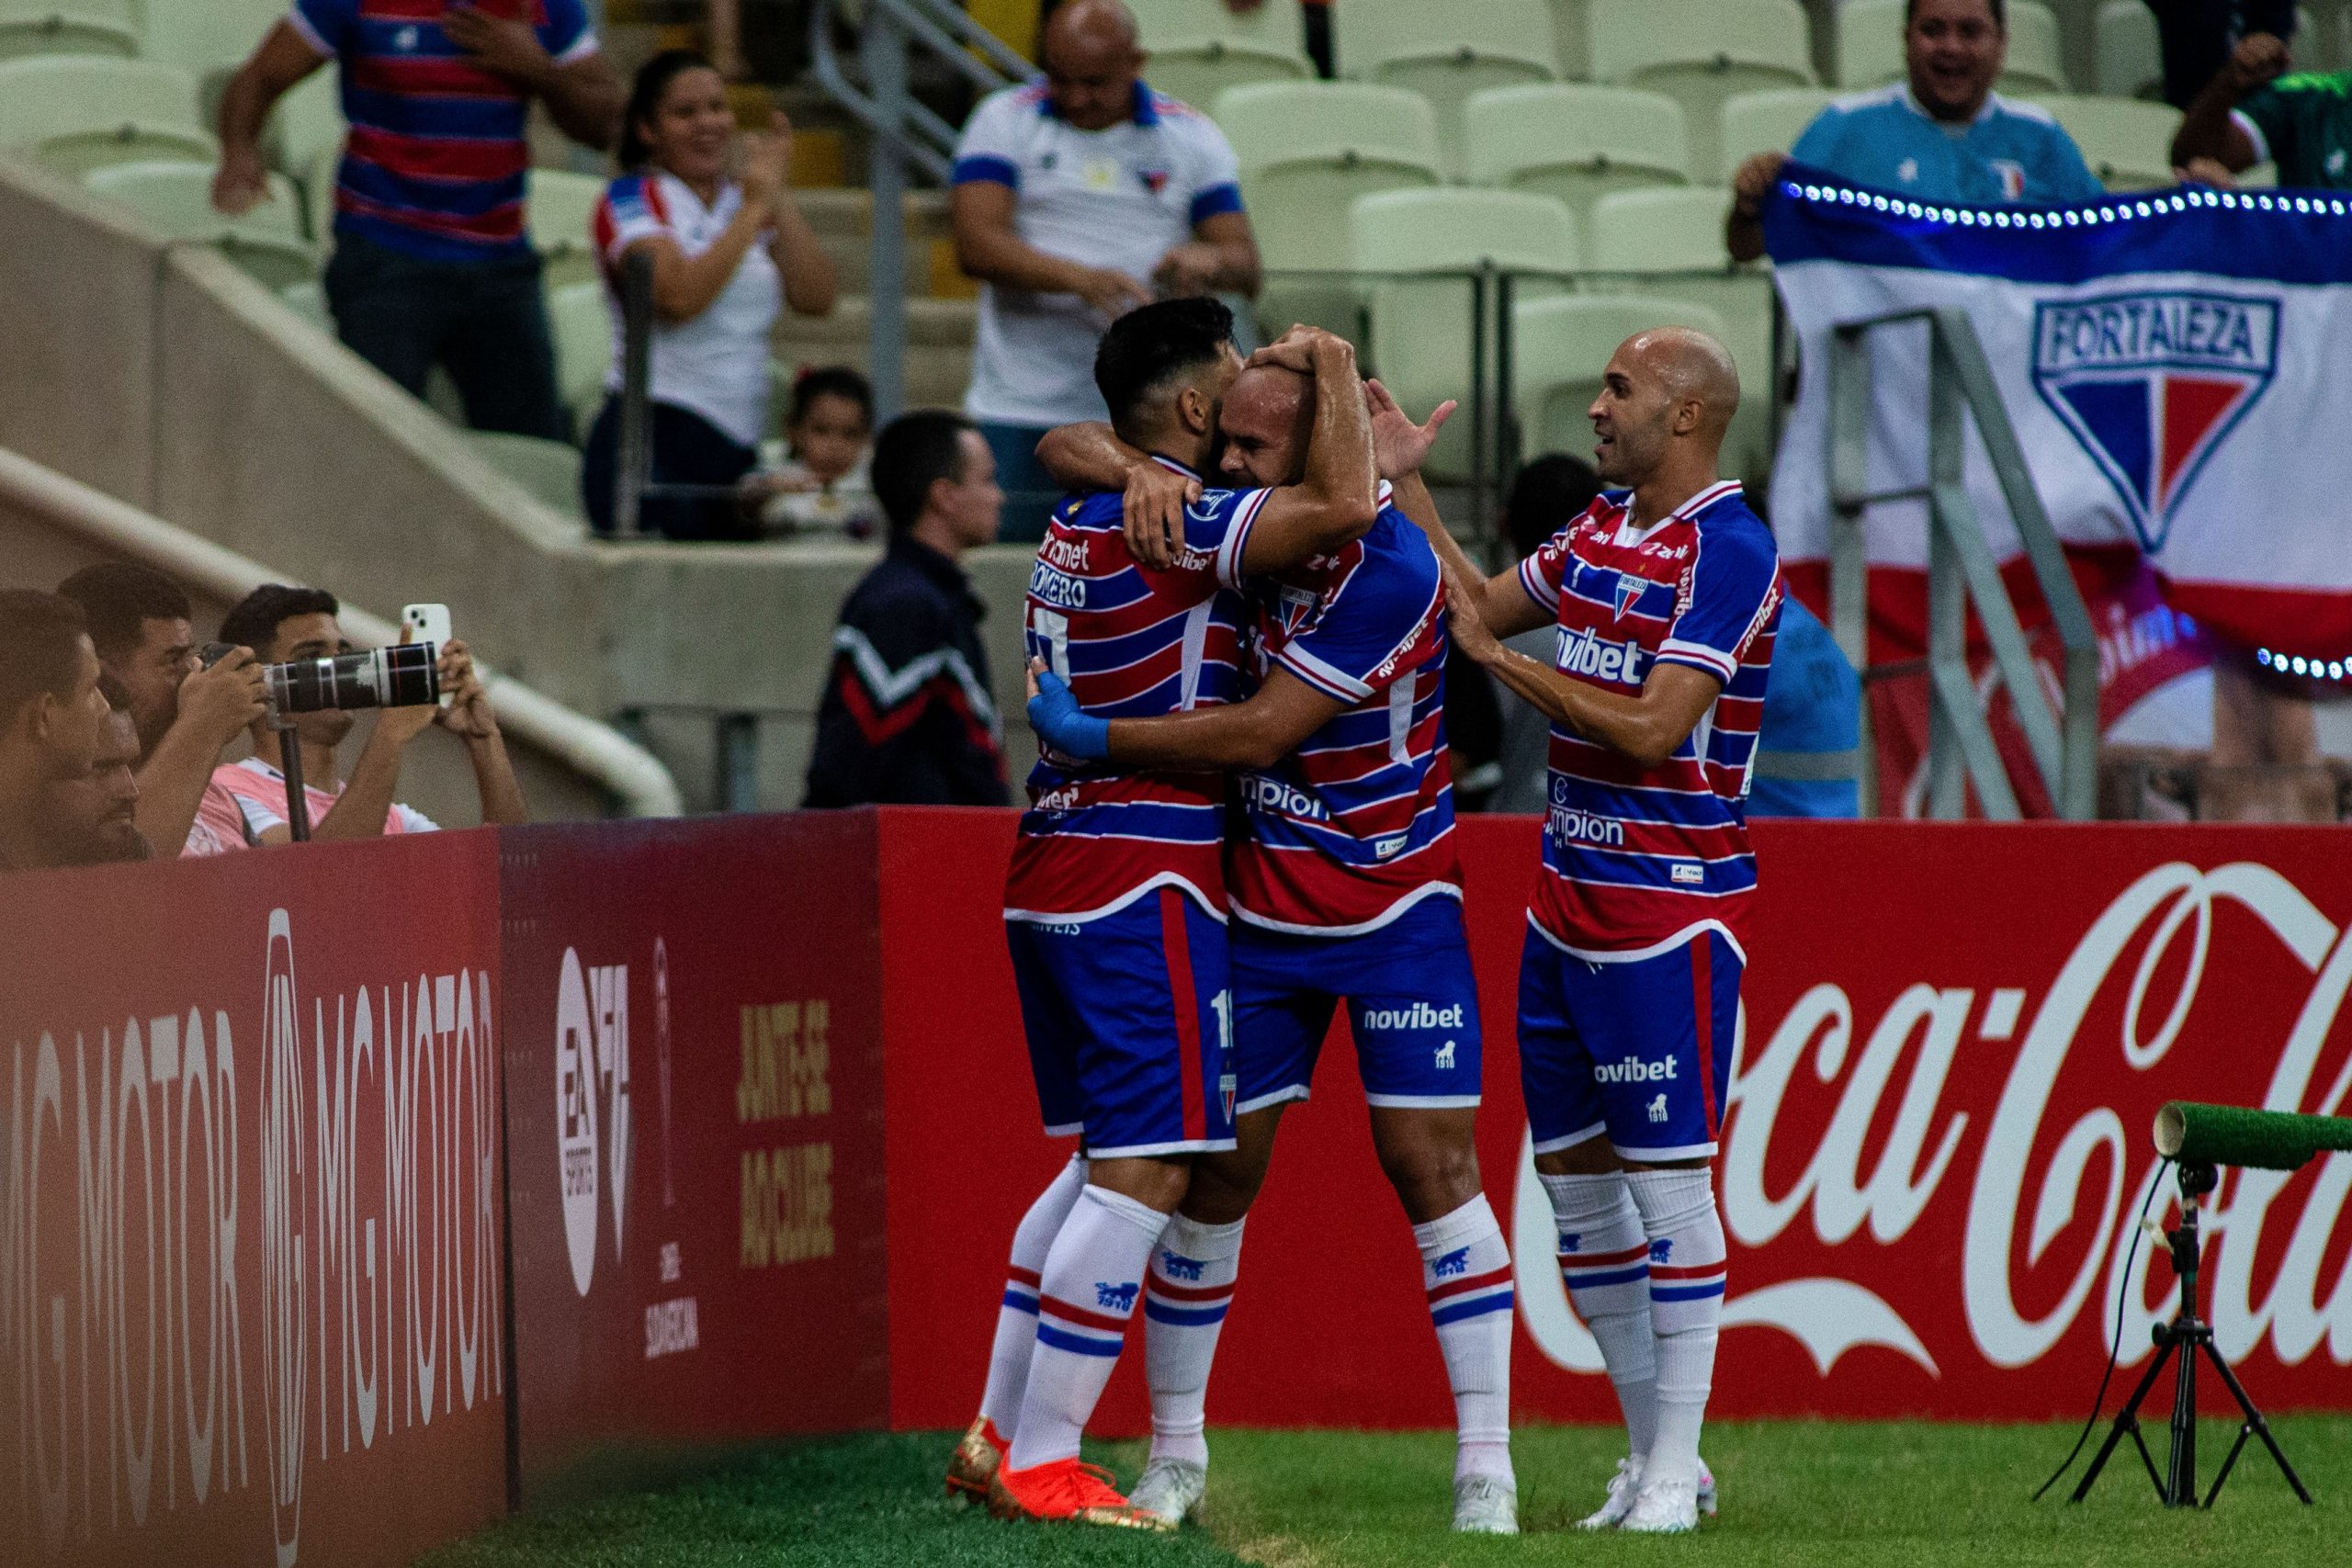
1077 200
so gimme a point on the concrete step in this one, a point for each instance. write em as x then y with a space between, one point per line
930 323
852 258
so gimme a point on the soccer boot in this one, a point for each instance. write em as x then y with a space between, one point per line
1485 1504
1170 1489
975 1462
1706 1490
1622 1486
1066 1489
1664 1505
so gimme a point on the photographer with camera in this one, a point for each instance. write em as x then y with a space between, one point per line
186 712
294 630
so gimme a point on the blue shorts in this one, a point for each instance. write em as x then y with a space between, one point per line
1640 1049
1128 1036
1412 1007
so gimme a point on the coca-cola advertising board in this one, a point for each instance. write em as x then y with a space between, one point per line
252 1299
694 1135
1954 1038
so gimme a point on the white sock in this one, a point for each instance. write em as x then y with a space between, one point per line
1185 1298
1466 1268
1087 1291
1016 1319
1605 1260
1686 1238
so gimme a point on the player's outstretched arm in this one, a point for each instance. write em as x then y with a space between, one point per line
1644 726
1337 500
1399 447
1252 734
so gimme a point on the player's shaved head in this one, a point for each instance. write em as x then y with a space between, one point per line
1694 367
1666 398
1267 421
1091 62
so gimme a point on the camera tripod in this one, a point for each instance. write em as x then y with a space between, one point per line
2187 1335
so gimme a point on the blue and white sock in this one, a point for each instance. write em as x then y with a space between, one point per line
1016 1318
1605 1262
1090 1287
1185 1298
1466 1268
1687 1273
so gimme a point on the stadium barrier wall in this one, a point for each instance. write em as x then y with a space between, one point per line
252 1236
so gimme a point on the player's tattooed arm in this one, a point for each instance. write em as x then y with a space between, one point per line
1090 456
1248 736
1337 500
1644 726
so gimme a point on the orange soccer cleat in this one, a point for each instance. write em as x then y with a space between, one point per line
974 1464
1066 1489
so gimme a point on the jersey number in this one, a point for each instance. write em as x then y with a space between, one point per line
1052 630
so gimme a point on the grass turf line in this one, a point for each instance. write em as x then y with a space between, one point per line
1885 1494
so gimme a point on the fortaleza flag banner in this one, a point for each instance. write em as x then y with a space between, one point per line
2177 366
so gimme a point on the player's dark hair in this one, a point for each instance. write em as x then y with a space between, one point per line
645 95
2000 9
119 597
1550 493
39 634
829 381
1147 349
914 452
254 623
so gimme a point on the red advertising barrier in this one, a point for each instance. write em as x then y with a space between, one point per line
1955 1037
251 1304
695 1121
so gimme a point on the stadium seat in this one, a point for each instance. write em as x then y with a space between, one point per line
1673 242
1306 150
1198 48
1448 53
76 113
1870 47
1560 347
1768 122
2127 142
562 205
581 320
67 27
549 469
308 300
1701 52
205 36
1420 331
2034 68
1572 35
2129 62
175 199
1573 141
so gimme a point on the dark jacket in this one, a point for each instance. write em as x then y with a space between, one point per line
908 717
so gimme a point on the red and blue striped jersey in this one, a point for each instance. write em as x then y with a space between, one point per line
435 159
1356 825
1133 642
1636 859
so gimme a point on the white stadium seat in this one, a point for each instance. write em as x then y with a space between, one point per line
2127 142
1198 48
76 113
2130 59
1700 53
1559 348
68 27
561 206
175 199
1574 141
1448 53
1768 122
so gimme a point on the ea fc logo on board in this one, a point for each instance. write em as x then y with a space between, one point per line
591 1104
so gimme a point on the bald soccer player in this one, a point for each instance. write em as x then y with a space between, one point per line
1345 888
1666 592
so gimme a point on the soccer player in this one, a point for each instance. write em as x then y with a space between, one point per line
1114 907
1346 887
1666 592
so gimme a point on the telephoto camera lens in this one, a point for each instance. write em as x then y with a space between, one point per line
403 676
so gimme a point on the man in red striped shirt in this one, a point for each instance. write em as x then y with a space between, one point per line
432 263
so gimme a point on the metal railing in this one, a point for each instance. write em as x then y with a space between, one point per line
1962 573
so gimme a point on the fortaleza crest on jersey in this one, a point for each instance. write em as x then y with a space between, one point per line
2151 383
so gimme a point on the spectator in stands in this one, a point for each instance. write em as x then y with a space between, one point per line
433 262
91 818
729 251
2197 37
184 715
828 485
908 716
52 716
1944 135
2252 112
1076 200
245 805
1549 493
1808 742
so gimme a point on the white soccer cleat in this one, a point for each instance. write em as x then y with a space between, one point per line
1170 1489
1668 1506
1622 1487
1485 1504
1706 1490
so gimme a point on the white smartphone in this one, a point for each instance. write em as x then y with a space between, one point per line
428 623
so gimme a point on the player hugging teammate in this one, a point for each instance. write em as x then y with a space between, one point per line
1171 1040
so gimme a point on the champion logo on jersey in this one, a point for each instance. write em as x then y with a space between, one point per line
2151 383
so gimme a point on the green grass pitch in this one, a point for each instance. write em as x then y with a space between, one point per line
1876 1495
